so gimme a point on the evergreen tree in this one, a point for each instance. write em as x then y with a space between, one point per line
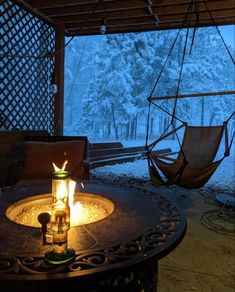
124 70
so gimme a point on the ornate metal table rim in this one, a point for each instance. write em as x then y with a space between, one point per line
156 242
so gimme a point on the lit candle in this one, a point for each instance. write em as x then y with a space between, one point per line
60 214
60 219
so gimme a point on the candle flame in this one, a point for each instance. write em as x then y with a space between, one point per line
72 185
76 209
56 168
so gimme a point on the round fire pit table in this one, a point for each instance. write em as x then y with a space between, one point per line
117 253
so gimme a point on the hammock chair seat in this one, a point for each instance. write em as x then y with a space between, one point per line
194 165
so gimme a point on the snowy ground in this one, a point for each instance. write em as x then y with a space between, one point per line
223 178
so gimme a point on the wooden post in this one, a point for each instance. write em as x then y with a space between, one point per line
59 79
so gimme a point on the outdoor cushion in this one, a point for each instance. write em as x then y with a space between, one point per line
11 157
40 155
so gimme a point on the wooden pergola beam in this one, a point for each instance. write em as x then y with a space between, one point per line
34 12
134 14
141 20
120 6
143 27
110 23
192 95
83 17
41 5
94 7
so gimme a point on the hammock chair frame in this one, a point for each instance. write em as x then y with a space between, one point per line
183 163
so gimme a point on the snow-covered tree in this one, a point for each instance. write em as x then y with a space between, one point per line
117 73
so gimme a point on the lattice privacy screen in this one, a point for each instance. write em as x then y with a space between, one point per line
26 68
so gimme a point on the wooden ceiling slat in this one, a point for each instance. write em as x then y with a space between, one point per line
112 22
94 7
203 21
39 4
135 13
169 3
110 5
118 27
169 12
139 12
203 15
95 30
72 23
157 9
143 28
147 19
127 16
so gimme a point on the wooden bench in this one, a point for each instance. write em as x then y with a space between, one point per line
102 154
104 145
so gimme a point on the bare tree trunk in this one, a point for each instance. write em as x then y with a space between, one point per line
165 123
104 131
108 129
119 130
160 124
114 122
105 126
173 137
151 127
212 119
135 130
202 110
128 130
123 130
132 128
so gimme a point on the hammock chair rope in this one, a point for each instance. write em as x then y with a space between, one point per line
219 132
160 74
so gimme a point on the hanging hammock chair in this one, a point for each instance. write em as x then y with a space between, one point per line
195 162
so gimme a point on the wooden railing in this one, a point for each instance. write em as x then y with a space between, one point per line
101 154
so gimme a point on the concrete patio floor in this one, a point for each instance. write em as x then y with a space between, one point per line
205 260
